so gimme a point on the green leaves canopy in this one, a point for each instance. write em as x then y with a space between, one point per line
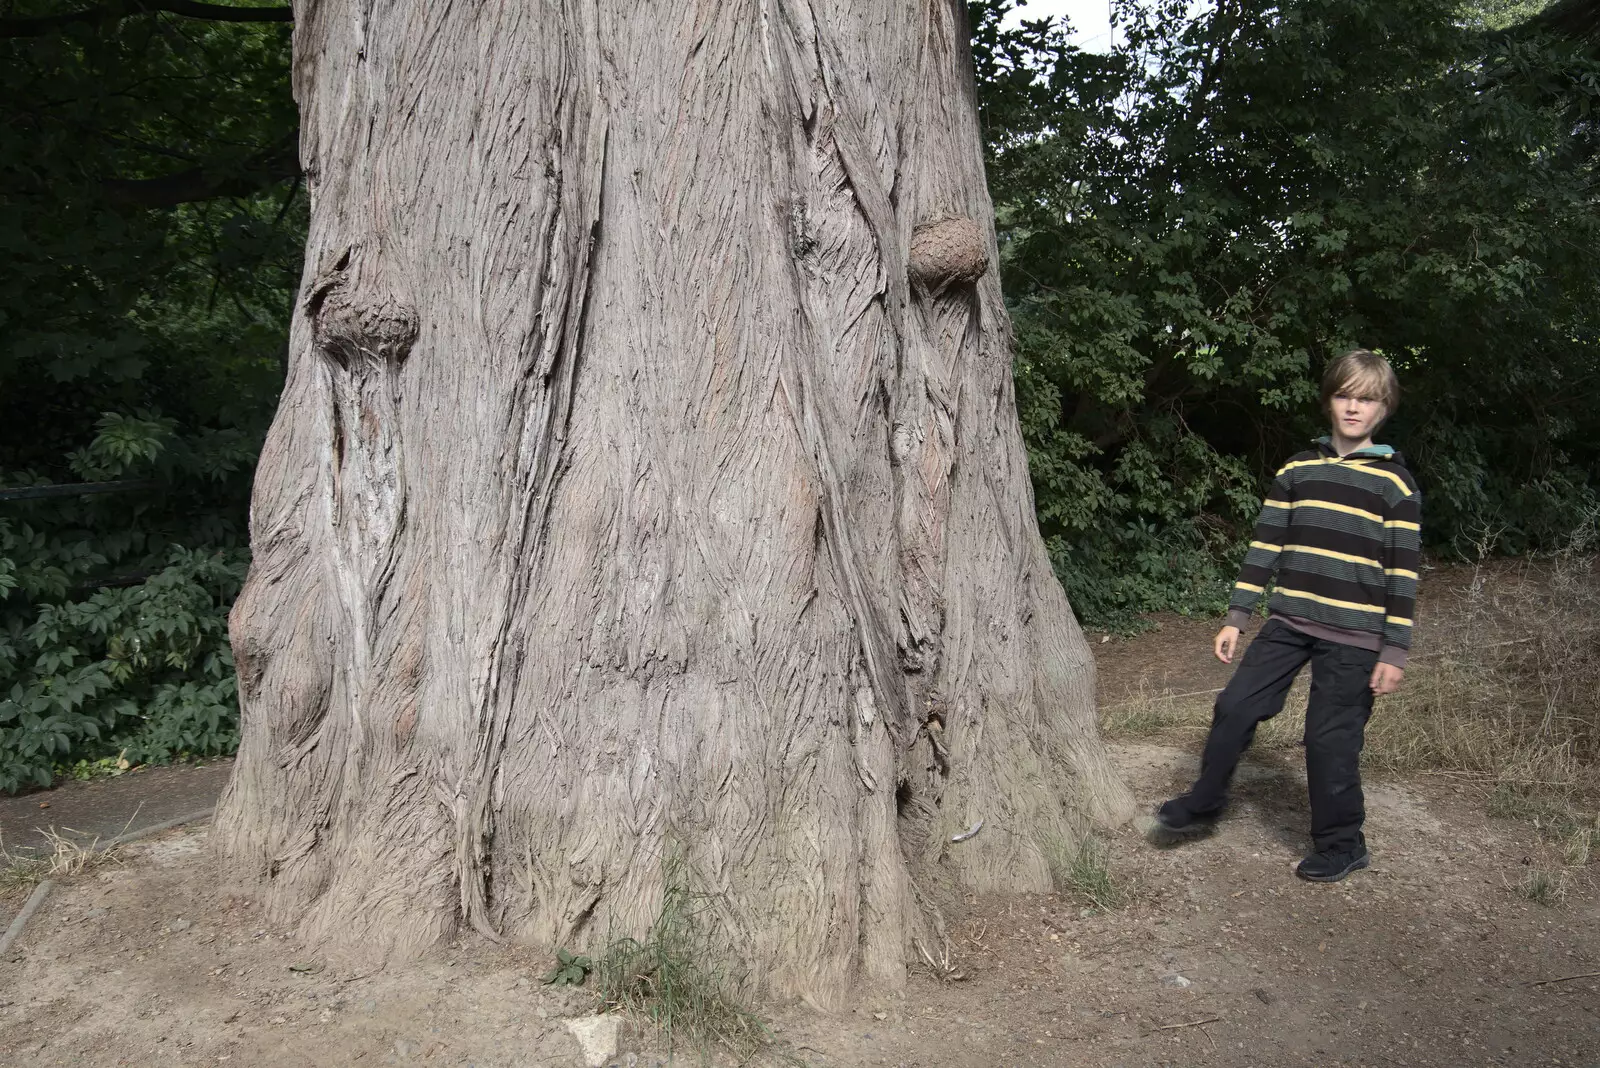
1193 225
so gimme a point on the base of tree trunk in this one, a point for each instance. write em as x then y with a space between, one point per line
648 486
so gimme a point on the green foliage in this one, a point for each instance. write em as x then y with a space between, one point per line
103 768
1193 225
143 670
670 979
570 970
151 254
113 634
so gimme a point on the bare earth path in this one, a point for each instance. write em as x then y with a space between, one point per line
1424 960
102 809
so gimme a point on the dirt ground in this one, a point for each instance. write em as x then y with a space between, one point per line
1222 957
1219 957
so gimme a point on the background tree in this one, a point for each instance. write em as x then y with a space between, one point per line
1191 226
152 229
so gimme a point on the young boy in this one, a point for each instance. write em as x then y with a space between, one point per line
1341 531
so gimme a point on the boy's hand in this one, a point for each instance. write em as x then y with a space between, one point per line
1386 678
1227 641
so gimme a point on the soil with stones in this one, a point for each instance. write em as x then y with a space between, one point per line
1218 957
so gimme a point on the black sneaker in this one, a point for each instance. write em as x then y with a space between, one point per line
1175 821
1333 865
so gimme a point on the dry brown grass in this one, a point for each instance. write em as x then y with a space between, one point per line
1505 681
1503 691
66 858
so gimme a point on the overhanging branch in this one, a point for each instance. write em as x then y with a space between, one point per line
121 9
1573 18
206 183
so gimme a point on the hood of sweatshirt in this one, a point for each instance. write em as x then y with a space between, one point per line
1371 452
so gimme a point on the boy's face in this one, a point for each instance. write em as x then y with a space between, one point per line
1355 415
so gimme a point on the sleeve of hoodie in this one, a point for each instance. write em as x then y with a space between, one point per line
1261 562
1402 553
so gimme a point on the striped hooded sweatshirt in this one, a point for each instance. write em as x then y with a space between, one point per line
1342 536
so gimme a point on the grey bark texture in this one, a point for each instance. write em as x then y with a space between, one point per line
648 482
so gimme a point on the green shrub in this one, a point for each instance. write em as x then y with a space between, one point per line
113 632
1193 224
144 670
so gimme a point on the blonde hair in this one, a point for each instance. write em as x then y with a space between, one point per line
1362 373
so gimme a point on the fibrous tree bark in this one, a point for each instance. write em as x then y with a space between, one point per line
648 480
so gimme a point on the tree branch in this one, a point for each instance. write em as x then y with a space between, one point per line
117 10
1572 18
206 183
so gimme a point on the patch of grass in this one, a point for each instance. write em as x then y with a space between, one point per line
1504 679
67 857
1145 714
1083 871
1500 691
21 872
670 980
1541 887
1188 717
1510 800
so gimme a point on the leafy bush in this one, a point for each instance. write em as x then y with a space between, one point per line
1191 226
144 670
153 229
113 638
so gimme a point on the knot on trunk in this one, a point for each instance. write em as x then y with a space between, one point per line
948 252
352 318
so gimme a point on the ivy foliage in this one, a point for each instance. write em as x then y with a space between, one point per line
1195 223
151 229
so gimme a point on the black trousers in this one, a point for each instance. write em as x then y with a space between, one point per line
1336 722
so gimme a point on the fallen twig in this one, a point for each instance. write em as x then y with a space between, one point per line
1563 979
1192 1023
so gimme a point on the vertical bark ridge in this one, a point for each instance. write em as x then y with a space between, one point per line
558 338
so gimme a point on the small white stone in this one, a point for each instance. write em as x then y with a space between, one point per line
597 1037
1177 980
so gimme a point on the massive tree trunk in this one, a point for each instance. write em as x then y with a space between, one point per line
648 480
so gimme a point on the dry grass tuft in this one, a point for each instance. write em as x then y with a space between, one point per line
67 857
1541 887
1083 871
1501 691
